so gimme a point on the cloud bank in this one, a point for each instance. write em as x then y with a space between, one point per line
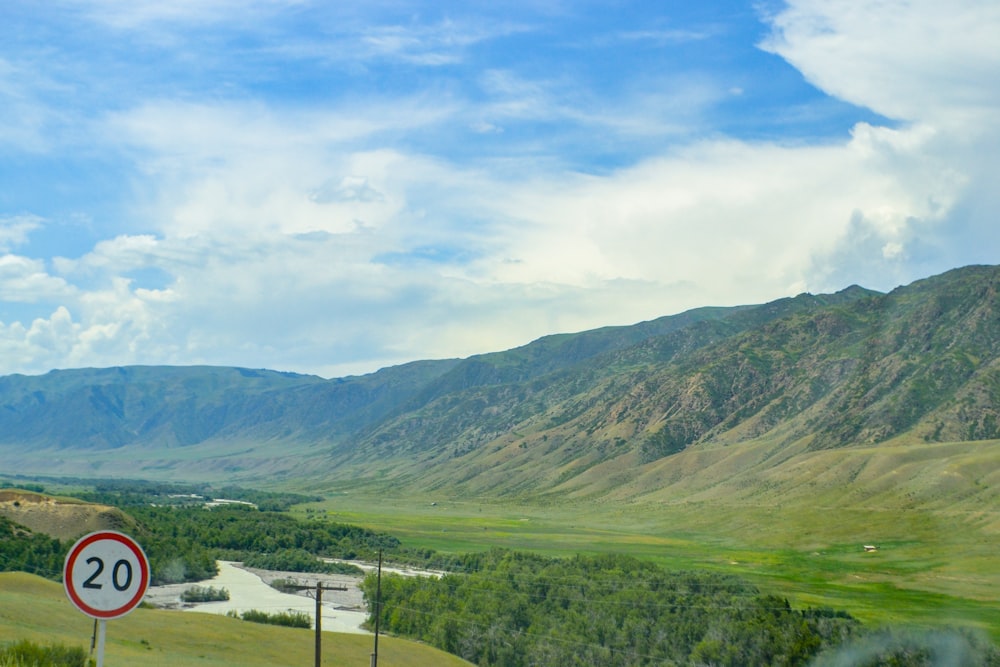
473 208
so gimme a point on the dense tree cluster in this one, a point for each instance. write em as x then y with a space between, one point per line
516 609
23 551
130 492
183 543
298 560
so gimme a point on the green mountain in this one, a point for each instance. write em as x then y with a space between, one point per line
618 410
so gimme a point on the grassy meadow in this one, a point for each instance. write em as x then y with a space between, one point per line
798 535
35 609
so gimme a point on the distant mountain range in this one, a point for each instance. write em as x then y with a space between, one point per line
625 411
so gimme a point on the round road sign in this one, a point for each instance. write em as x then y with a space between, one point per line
106 574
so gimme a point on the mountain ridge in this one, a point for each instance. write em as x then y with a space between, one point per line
801 374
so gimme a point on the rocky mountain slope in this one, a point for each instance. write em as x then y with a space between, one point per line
595 410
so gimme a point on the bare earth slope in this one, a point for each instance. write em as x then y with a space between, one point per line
62 518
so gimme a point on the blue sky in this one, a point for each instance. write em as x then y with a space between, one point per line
335 187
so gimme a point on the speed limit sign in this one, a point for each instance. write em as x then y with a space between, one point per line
106 574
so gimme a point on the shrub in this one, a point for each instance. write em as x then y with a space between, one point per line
203 594
298 560
289 618
28 654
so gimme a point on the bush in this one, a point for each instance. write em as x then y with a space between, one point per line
291 619
29 654
203 594
297 560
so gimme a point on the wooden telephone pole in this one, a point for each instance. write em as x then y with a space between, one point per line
378 607
319 612
319 622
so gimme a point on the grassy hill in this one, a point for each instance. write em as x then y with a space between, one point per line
38 610
64 518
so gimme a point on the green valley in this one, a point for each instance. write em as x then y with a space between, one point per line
837 450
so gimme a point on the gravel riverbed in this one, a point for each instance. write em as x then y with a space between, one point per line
342 610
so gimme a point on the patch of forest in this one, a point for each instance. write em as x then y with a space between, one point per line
514 609
183 539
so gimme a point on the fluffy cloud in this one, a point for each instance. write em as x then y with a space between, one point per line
43 345
914 60
931 66
341 236
14 230
25 280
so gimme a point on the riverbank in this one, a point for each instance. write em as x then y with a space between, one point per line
342 610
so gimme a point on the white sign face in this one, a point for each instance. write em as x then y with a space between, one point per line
106 574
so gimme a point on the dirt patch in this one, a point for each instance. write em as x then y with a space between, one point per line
65 520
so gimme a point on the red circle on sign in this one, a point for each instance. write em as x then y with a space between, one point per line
98 545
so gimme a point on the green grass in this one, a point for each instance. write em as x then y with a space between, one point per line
37 610
791 520
932 568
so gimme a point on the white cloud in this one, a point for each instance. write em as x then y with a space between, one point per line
359 33
247 170
663 36
350 188
314 238
907 59
114 328
319 251
44 345
26 121
934 66
133 14
196 136
25 280
14 230
743 221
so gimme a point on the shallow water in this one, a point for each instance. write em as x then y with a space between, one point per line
248 591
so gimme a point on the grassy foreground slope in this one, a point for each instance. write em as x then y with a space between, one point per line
35 609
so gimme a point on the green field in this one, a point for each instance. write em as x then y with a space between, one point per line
37 610
931 568
795 528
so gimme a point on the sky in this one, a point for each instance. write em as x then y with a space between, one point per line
331 188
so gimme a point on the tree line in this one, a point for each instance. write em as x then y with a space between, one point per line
183 542
512 609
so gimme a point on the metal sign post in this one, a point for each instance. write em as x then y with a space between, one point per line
105 575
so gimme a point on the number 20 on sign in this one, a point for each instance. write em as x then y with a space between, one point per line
106 575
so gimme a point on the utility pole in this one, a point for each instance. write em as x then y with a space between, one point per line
378 607
319 610
319 622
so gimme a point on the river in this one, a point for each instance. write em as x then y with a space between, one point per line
247 590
